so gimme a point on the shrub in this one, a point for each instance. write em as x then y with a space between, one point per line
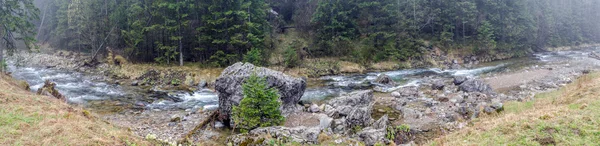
392 131
259 107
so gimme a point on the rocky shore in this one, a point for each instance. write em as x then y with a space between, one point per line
408 115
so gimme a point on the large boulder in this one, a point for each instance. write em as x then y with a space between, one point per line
474 85
344 105
351 111
229 87
375 133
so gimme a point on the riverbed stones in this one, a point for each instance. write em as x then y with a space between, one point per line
407 92
229 87
300 134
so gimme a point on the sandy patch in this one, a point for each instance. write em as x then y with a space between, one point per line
516 79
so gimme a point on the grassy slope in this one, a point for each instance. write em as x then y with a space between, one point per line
569 116
29 119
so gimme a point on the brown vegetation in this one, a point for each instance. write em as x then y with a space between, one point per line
30 119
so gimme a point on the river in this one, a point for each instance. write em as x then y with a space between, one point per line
92 92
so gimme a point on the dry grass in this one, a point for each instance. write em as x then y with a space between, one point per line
562 48
568 116
135 70
29 119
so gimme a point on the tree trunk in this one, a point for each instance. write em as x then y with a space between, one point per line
179 33
42 23
1 59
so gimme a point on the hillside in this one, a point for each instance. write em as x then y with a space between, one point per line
30 119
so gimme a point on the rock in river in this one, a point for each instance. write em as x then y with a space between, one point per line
384 79
229 87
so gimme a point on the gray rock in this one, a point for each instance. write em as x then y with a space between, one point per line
202 84
370 136
396 94
360 117
229 87
219 124
301 134
497 106
409 92
381 123
325 121
384 79
459 80
438 85
314 108
474 85
135 83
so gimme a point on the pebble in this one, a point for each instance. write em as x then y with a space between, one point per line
381 110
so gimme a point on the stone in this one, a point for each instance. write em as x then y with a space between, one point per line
371 136
135 83
408 92
325 121
381 123
384 79
219 124
314 108
396 94
360 117
302 135
229 88
345 104
474 85
497 106
202 84
438 85
459 80
381 110
175 118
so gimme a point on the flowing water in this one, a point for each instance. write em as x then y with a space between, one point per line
91 91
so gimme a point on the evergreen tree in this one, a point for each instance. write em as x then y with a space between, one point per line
15 25
234 26
335 26
259 107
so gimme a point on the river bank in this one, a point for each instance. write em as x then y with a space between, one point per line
30 119
567 116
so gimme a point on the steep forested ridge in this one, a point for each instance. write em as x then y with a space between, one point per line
221 32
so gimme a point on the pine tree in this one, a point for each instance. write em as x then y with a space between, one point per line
233 26
335 25
259 107
15 25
